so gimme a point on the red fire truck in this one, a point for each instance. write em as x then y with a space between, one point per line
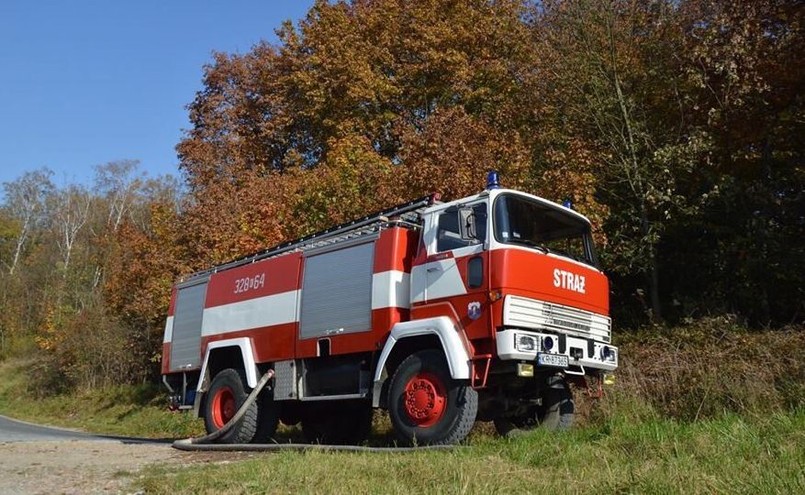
483 308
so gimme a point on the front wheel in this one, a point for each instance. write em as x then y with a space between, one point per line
426 405
555 413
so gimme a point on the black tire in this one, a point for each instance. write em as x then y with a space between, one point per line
226 395
347 423
558 407
426 405
555 413
267 417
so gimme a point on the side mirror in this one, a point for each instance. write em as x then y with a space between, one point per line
466 224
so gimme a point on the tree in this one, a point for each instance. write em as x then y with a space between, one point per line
150 253
452 152
742 252
118 183
639 112
71 211
611 70
26 203
321 125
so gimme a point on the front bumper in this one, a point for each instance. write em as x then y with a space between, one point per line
583 354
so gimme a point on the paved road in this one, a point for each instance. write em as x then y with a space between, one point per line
16 431
40 460
12 430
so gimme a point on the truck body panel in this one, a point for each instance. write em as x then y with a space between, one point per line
492 280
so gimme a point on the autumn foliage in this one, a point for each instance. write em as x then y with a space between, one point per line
676 126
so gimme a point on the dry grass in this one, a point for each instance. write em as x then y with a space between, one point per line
707 369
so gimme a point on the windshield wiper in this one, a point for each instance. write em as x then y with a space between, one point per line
570 255
529 242
576 257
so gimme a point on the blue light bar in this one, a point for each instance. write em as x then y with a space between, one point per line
492 180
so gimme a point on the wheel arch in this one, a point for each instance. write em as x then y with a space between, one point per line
411 336
231 353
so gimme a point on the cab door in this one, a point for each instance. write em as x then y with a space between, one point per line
456 265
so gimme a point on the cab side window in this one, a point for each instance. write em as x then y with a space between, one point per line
448 231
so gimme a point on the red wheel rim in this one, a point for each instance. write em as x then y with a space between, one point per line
424 399
223 407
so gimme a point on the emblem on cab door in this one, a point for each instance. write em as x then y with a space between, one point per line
474 310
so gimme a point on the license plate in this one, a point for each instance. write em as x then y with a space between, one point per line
557 360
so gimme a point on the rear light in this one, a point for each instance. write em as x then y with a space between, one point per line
547 344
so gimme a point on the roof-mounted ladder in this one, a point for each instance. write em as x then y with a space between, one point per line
408 212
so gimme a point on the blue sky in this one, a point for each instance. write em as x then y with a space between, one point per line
86 82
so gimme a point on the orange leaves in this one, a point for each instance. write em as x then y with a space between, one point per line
364 105
50 335
352 181
617 105
139 277
226 220
453 152
571 172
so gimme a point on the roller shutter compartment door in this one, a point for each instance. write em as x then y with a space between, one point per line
337 292
186 343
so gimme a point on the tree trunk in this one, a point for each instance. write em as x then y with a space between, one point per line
652 271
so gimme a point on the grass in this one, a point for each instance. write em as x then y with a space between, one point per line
125 410
706 408
731 454
713 366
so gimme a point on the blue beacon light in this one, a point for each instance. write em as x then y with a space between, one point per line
567 203
493 180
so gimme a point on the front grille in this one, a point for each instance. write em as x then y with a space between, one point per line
540 315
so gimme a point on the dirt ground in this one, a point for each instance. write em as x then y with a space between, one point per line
79 466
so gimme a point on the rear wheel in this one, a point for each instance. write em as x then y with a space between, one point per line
555 413
267 417
226 395
426 405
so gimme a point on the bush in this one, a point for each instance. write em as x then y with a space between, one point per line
87 349
711 367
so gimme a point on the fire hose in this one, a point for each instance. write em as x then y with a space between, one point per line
205 443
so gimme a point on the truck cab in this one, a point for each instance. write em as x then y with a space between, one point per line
520 277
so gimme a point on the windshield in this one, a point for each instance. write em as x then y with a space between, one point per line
525 222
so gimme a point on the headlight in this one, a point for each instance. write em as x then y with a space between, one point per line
526 343
607 353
